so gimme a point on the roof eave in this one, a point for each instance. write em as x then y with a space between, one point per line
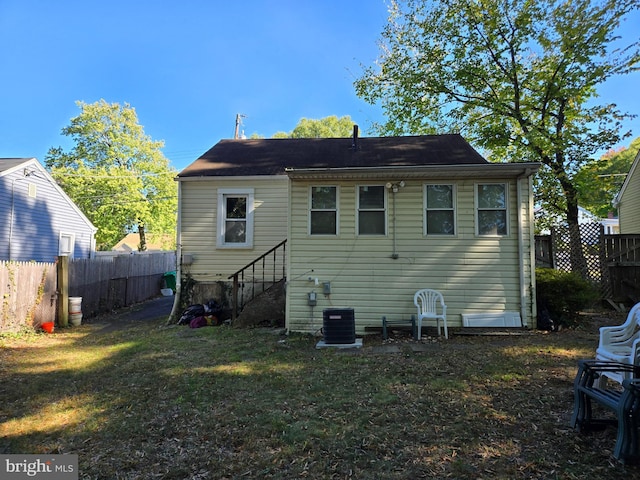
514 170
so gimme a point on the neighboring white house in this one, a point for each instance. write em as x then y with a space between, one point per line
611 224
368 221
628 200
38 221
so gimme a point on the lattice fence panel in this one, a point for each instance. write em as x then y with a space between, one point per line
580 249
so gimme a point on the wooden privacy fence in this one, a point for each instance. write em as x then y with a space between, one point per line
28 290
611 261
622 258
109 283
28 293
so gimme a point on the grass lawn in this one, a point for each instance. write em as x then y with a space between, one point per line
151 401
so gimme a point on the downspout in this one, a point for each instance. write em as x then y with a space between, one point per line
176 298
394 254
394 187
523 286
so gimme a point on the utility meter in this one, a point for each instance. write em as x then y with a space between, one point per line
312 299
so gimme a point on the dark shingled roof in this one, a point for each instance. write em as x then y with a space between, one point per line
8 163
272 156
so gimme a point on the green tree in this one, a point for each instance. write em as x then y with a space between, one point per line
518 78
116 174
327 127
599 181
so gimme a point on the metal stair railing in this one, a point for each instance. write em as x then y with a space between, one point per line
272 260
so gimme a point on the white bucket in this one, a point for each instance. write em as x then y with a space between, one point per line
75 311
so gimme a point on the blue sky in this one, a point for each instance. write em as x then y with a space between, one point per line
188 67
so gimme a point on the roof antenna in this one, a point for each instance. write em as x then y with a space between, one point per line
239 117
354 142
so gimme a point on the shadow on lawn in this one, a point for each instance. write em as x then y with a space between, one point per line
216 402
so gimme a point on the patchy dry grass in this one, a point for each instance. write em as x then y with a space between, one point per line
216 403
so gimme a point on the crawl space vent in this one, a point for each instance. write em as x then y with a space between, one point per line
501 319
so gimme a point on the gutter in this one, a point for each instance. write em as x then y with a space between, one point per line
402 172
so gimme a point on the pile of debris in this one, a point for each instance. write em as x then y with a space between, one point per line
202 315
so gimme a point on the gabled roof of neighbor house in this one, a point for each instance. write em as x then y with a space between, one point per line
131 241
32 165
8 165
273 156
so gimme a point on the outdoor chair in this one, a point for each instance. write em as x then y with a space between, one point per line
621 343
427 301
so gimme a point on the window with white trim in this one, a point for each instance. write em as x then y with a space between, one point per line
66 244
439 205
372 210
323 212
491 209
235 218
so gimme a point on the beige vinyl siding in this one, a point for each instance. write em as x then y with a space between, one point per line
199 223
629 207
475 274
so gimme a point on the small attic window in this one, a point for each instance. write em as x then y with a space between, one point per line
33 190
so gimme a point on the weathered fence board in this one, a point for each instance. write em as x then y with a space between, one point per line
544 251
109 283
622 260
622 249
28 289
28 293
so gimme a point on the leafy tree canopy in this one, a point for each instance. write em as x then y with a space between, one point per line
327 127
116 174
518 78
599 181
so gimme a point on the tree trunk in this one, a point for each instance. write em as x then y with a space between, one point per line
578 262
142 246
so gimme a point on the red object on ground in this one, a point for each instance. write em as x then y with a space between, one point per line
47 327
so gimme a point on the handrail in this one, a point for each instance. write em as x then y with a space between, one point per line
238 277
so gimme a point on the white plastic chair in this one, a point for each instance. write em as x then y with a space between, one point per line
621 343
427 301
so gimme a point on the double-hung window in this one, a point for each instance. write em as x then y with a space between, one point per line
235 218
439 206
372 213
323 214
491 209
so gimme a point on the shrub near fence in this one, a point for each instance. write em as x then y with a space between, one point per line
611 261
28 293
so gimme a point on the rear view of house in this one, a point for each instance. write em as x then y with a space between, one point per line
367 222
38 221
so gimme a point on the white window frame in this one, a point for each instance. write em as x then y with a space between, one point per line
385 210
65 238
223 194
505 209
336 210
453 208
